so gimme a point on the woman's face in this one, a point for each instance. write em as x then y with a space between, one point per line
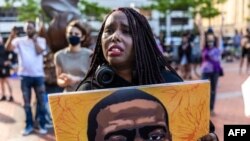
210 40
117 44
184 39
74 31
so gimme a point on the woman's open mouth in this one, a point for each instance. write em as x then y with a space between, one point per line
115 50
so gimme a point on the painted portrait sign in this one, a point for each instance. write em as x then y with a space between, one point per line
166 112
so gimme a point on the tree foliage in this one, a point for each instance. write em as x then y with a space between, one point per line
206 8
28 9
160 5
92 10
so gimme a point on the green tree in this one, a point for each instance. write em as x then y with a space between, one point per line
162 6
28 9
208 10
92 10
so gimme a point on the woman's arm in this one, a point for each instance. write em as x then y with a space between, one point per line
66 79
61 77
8 44
202 33
220 37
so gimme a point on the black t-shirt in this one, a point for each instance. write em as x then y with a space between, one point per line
120 82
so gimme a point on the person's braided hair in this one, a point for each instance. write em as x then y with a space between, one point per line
148 59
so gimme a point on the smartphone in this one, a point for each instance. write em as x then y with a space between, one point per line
19 30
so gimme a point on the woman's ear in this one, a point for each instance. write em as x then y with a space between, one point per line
83 38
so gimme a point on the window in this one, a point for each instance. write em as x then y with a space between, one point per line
179 21
8 14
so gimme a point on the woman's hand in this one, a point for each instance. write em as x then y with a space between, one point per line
64 80
68 79
209 137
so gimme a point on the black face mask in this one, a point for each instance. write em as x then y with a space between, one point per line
74 40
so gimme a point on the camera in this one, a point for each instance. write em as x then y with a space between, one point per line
19 30
104 75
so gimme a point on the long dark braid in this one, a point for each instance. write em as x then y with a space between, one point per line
148 59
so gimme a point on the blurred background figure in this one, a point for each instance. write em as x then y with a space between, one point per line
72 62
211 67
185 54
7 60
196 56
30 50
237 44
245 51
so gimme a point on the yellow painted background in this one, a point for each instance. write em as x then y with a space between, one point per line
187 105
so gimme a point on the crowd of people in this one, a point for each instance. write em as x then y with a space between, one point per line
125 50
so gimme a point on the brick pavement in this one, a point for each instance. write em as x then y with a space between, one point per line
12 119
229 108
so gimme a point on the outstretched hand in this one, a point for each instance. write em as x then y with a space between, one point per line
68 79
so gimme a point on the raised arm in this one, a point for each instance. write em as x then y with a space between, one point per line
201 32
220 36
8 44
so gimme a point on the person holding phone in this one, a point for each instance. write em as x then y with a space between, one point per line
30 50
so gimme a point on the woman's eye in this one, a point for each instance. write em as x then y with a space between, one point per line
126 31
108 31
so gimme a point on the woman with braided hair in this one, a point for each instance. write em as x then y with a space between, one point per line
126 54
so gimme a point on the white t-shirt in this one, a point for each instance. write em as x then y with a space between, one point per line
30 63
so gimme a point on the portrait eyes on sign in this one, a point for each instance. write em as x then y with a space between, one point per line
130 135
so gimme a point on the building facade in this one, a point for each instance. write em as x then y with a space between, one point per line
236 15
8 19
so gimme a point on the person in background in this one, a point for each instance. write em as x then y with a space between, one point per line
237 43
185 54
72 63
6 63
211 56
30 50
245 52
126 55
